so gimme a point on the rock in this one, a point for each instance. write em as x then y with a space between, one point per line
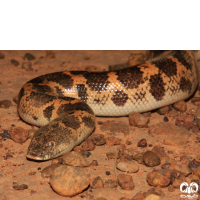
75 158
180 106
49 170
5 104
69 181
139 158
165 119
110 183
185 159
194 164
58 160
14 62
125 182
20 186
180 168
164 110
139 196
98 139
117 66
156 179
19 135
138 120
142 143
27 66
113 127
97 183
50 55
152 197
111 155
87 145
111 141
195 101
28 56
151 159
128 166
171 188
186 121
160 151
94 163
86 154
6 134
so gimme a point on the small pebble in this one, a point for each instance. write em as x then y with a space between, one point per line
75 158
139 158
142 143
159 151
48 171
50 54
196 101
165 119
86 154
107 173
97 183
29 56
110 183
14 62
138 120
27 66
125 182
111 141
5 134
111 155
5 104
151 159
157 179
94 163
98 139
20 187
180 106
194 164
128 166
171 188
88 145
19 135
164 110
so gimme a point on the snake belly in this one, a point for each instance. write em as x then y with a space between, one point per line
64 104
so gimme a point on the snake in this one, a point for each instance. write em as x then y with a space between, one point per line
64 104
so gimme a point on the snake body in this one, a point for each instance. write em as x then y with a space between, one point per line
65 103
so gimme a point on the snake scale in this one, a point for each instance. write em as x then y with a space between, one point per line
64 104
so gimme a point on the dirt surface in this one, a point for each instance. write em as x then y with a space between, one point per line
16 169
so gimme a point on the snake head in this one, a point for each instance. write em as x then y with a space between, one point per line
50 141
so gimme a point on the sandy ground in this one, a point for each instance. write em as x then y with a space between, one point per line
15 168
